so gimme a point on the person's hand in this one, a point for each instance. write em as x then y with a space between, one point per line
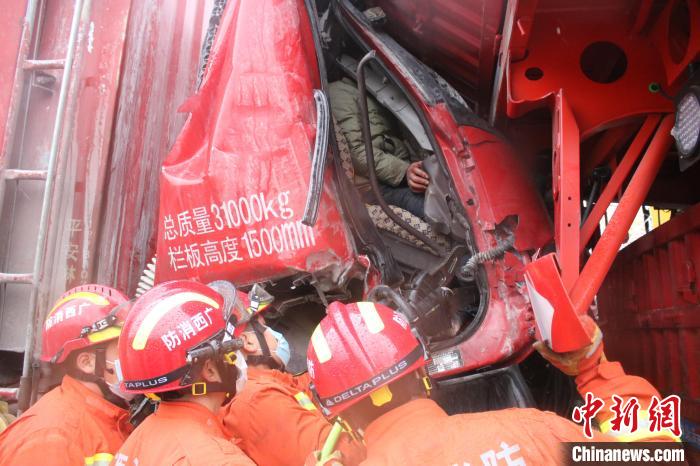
314 459
418 180
575 362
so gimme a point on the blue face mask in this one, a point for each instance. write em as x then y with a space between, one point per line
282 351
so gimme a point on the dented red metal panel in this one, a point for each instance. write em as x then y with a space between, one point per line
649 309
492 185
234 186
491 188
457 38
504 186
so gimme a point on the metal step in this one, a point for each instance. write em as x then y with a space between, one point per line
19 174
28 69
56 64
16 278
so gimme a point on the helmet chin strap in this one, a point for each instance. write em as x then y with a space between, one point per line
98 378
229 375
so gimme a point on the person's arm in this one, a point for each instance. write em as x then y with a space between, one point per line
607 379
391 170
604 379
280 419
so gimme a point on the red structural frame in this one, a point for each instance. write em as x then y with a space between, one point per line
544 45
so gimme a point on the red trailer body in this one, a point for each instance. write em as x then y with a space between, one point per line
649 305
542 115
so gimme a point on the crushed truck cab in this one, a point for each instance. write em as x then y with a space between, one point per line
244 171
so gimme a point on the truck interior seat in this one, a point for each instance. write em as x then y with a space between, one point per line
380 219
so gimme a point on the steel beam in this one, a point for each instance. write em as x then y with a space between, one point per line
598 265
566 189
618 177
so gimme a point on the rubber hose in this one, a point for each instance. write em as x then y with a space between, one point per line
480 257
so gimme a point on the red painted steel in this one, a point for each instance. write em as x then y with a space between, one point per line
558 323
11 19
487 174
556 73
618 178
649 308
233 188
566 190
82 156
89 136
668 36
556 44
605 147
598 264
496 169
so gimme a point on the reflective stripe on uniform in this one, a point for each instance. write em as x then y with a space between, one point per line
304 401
642 433
99 459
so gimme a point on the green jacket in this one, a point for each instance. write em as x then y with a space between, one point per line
391 159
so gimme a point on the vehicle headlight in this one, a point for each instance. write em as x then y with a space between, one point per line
686 131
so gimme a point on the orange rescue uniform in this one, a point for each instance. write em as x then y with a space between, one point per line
407 436
180 433
420 432
68 426
608 379
277 423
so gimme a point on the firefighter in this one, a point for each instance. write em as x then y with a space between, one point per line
82 420
273 416
366 365
177 345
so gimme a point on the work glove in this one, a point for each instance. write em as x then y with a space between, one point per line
314 459
576 362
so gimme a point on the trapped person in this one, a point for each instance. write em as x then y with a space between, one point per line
368 367
402 182
82 420
177 345
273 417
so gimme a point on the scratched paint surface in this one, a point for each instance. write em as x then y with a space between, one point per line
234 186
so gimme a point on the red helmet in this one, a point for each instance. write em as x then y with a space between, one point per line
82 317
165 325
358 348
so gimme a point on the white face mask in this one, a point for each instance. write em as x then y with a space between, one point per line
115 388
282 351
